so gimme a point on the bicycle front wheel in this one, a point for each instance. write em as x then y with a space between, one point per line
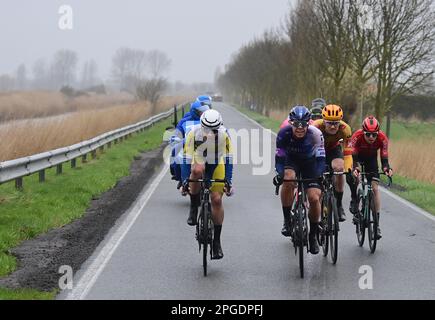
204 235
333 226
360 225
323 238
373 225
302 239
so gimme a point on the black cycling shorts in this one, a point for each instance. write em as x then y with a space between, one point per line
336 153
370 166
307 168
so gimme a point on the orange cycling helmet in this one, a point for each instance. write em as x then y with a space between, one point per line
332 112
370 124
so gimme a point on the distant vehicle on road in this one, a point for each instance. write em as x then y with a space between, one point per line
217 97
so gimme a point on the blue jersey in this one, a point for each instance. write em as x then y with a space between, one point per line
309 147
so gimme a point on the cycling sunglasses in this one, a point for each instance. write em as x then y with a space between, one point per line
371 134
332 123
300 124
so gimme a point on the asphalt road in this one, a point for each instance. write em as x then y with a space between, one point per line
152 254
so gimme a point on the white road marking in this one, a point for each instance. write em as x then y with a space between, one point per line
87 281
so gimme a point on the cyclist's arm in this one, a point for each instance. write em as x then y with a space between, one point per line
348 159
354 145
384 151
228 160
280 154
189 149
319 145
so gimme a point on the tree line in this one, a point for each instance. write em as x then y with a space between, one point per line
362 54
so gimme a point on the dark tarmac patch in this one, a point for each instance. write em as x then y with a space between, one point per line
39 259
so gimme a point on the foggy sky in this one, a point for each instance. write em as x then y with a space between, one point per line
198 35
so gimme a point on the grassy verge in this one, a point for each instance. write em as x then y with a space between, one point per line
420 193
41 207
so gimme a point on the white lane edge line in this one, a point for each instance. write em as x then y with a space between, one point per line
87 281
391 194
408 204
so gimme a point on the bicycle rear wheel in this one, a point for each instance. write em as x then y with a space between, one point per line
360 225
373 225
333 226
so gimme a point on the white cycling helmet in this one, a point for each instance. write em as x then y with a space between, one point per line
211 119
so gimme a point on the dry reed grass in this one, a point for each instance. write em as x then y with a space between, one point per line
26 137
38 104
414 159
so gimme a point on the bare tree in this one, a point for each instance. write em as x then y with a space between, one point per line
21 77
129 67
7 83
40 74
89 74
151 90
64 68
158 63
406 29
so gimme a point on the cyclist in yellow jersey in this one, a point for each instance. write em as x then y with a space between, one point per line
334 131
208 153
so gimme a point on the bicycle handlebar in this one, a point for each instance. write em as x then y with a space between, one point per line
298 181
390 179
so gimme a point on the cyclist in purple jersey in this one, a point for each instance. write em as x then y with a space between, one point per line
300 149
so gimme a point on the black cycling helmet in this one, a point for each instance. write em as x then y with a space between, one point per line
318 102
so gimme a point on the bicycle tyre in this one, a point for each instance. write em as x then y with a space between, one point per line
360 226
372 225
204 236
301 237
333 226
323 234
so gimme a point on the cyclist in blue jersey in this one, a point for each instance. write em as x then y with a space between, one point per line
300 148
204 99
191 119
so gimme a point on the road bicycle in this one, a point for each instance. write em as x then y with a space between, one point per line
329 224
299 219
205 227
366 217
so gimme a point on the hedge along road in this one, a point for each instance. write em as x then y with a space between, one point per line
152 253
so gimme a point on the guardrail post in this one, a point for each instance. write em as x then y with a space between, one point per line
19 184
59 169
73 163
175 115
116 141
42 176
84 160
94 154
109 145
102 149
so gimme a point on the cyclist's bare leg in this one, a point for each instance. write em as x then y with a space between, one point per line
218 219
288 188
338 166
314 195
217 208
377 196
196 173
287 198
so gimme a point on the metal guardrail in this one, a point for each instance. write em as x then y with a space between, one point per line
19 168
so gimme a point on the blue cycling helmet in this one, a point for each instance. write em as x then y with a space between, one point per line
300 113
205 100
197 109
